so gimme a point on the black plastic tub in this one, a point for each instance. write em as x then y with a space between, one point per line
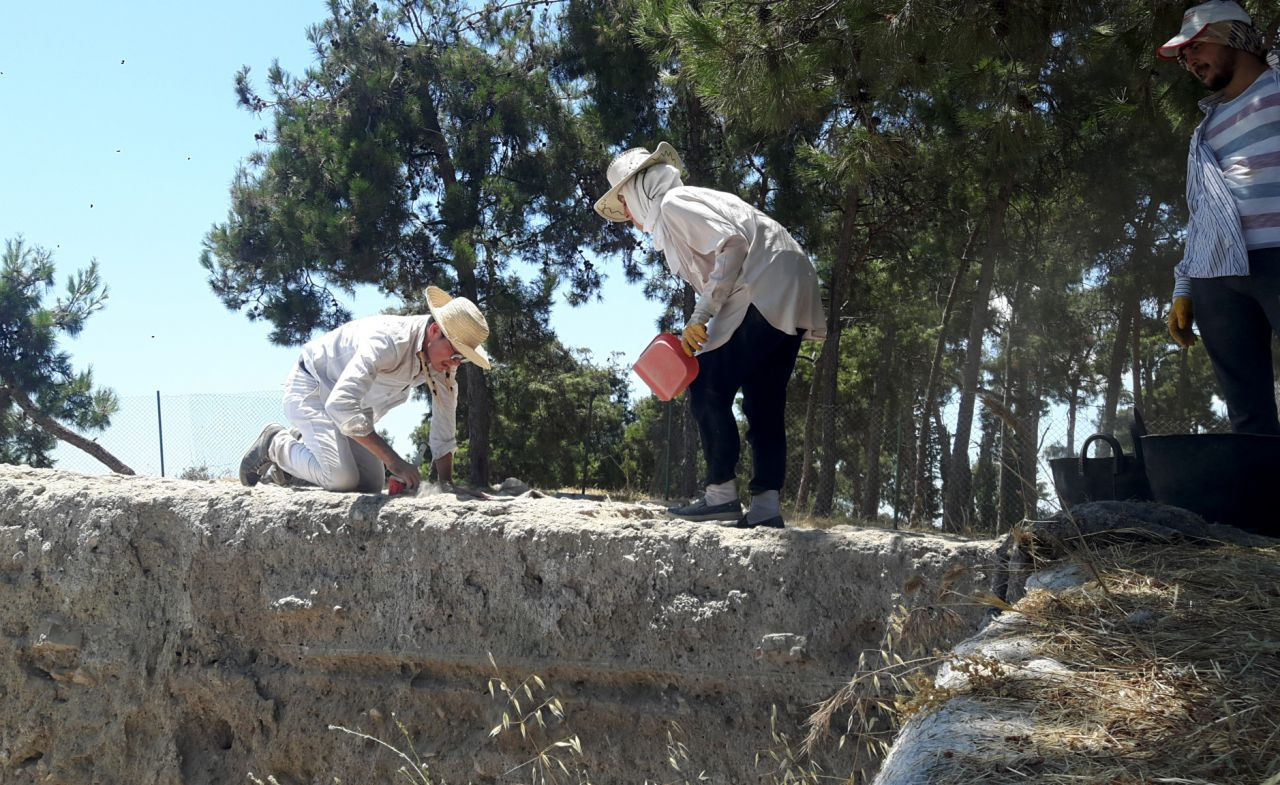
1231 478
1083 479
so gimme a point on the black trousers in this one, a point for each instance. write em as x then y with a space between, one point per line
1237 315
758 360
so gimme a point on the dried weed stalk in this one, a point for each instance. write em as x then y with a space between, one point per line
528 710
1172 675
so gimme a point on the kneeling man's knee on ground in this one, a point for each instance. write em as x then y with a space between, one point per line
341 478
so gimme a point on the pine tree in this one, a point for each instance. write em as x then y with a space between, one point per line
42 399
431 144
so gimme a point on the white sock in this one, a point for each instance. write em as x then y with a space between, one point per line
723 493
764 506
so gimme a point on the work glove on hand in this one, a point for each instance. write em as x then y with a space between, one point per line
1180 322
693 337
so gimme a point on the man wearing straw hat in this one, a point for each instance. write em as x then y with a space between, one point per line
347 379
1231 267
757 299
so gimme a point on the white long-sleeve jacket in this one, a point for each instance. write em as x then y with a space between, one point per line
735 256
368 366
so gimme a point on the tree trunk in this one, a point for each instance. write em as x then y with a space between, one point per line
1073 410
1115 370
957 494
478 396
1130 313
1019 492
826 375
944 462
479 422
695 138
1029 447
806 453
1014 467
1008 505
1135 337
843 271
877 421
1007 502
1148 385
688 483
65 434
906 451
1184 387
690 438
695 127
922 476
929 500
985 474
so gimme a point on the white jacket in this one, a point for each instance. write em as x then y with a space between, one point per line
735 256
367 367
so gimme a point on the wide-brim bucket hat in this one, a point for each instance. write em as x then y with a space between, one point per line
462 323
1196 19
624 167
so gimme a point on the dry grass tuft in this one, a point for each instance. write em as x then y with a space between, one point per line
1172 659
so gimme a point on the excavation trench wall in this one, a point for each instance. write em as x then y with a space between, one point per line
163 631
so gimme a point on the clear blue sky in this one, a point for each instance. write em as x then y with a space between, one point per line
119 140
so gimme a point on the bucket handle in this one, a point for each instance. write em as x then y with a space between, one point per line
1115 448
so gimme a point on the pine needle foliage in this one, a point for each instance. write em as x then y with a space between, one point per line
34 371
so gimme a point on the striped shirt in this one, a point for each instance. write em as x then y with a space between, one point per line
1244 134
1233 183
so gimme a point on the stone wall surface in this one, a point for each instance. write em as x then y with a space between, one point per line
165 631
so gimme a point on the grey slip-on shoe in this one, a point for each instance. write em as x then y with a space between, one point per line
255 460
699 510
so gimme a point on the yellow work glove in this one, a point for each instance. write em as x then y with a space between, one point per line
693 337
1180 322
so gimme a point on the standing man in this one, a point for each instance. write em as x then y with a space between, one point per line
757 299
1231 268
348 378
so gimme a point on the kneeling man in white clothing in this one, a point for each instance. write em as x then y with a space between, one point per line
348 378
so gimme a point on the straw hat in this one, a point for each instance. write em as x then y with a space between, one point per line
462 323
624 167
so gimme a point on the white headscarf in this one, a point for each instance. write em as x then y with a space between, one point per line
645 190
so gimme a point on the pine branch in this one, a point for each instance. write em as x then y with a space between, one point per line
65 434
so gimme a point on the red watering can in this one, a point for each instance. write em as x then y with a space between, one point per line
665 367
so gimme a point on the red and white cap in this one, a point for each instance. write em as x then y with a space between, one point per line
1196 19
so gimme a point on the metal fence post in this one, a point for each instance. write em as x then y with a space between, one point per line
160 431
897 473
666 480
586 439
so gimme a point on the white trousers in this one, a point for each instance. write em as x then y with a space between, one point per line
324 456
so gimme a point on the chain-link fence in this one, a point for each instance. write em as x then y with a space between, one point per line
841 463
846 464
886 468
197 436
